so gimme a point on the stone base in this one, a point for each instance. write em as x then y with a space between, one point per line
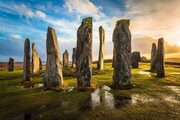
123 87
85 89
58 88
28 84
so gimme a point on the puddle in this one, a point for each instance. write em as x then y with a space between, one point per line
144 73
103 97
175 89
172 99
69 89
136 98
175 73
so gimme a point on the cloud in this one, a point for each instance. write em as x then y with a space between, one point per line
16 37
84 7
144 44
155 18
40 14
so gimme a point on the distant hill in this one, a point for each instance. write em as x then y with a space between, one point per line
177 60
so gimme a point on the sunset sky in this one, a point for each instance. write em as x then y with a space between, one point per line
149 20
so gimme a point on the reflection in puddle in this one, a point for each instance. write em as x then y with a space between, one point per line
136 98
102 97
171 99
175 73
144 73
175 89
69 89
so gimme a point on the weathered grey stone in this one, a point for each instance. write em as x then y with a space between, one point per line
53 78
65 59
35 60
100 64
135 59
153 57
160 58
74 57
84 53
11 65
122 54
26 63
143 59
40 64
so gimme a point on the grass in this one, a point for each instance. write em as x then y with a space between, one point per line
15 100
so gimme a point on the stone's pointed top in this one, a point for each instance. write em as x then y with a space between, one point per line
27 39
123 21
50 29
87 21
101 27
33 44
153 43
161 39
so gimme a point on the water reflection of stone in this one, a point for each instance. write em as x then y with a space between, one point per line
102 96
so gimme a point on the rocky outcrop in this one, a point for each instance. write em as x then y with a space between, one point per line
84 53
153 57
26 63
122 55
11 65
160 58
65 59
74 57
100 63
40 64
135 59
35 60
53 78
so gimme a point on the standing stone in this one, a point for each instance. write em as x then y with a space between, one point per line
153 57
65 59
53 78
84 53
100 63
135 59
122 55
11 65
40 64
35 60
74 57
160 58
26 63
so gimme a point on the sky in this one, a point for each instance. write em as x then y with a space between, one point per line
149 20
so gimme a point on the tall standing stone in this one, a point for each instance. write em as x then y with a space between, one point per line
65 59
74 57
40 64
153 57
11 65
160 58
135 59
53 78
122 54
35 60
26 63
100 63
84 53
